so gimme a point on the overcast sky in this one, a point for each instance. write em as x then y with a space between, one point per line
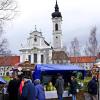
79 16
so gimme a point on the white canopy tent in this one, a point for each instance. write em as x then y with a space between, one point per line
97 64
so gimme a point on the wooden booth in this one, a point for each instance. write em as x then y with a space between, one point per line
26 67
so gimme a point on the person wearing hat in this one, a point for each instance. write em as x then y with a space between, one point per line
40 93
28 91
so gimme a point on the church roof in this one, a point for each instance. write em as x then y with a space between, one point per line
46 43
59 55
56 13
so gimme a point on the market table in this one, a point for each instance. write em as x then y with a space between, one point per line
52 95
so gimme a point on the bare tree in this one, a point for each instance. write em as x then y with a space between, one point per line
7 9
3 47
75 47
98 49
92 45
86 50
7 12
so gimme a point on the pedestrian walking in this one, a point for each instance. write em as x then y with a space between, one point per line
60 86
92 88
13 88
73 87
40 93
28 91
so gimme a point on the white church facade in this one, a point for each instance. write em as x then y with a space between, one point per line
38 50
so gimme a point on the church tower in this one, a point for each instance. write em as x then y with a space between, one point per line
57 31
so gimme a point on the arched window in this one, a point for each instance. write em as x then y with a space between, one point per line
35 39
42 58
56 27
35 58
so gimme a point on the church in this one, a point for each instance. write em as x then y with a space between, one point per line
39 51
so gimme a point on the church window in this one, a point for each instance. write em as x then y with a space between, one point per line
29 58
56 27
42 58
35 39
35 58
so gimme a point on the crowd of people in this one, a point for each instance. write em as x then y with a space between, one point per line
23 88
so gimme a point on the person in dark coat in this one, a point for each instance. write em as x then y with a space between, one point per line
60 87
40 93
12 88
28 91
92 88
73 87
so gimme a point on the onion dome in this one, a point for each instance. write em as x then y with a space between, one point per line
56 13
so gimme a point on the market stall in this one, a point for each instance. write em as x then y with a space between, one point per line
2 81
55 68
48 73
25 67
53 94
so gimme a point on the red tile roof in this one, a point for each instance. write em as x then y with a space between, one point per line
9 60
84 59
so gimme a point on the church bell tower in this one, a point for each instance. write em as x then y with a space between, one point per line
57 31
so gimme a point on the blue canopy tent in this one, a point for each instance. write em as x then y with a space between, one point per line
2 81
49 68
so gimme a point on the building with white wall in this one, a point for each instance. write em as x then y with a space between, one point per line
7 63
38 50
